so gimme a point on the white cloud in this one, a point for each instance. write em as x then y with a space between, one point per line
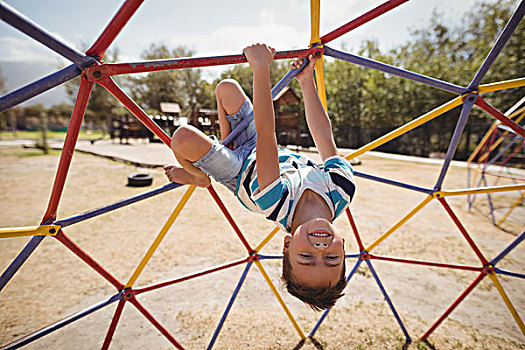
27 49
14 49
232 39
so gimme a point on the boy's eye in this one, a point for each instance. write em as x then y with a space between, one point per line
304 255
332 257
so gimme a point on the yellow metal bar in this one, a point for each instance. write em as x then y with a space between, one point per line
280 299
493 189
499 140
407 127
482 142
492 147
508 84
514 205
521 110
315 10
42 230
266 240
507 302
491 129
399 224
160 236
319 79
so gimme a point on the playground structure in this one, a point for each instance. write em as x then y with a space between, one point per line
92 70
490 162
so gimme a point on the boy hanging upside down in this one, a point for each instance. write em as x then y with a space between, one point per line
301 197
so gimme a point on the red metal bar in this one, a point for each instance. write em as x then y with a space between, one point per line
354 228
157 325
134 108
113 325
500 116
512 154
426 263
62 238
486 155
462 229
109 69
114 27
69 148
370 15
191 276
230 219
453 306
487 172
482 147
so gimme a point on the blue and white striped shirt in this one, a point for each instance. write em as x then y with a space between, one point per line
334 182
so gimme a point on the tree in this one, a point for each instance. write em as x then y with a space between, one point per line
102 105
368 100
3 88
185 87
7 117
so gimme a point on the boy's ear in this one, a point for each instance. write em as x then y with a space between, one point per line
286 243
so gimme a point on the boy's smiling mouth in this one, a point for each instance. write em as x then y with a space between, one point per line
320 234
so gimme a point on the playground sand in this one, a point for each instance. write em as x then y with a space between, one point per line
54 283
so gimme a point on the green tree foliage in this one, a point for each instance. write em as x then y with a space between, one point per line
243 74
364 103
3 89
185 87
102 105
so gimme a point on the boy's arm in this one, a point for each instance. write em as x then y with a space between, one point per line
267 163
316 118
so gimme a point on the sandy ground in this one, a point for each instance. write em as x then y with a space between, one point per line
54 283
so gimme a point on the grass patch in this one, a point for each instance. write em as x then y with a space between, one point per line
37 135
35 152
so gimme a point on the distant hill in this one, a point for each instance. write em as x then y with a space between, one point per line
19 74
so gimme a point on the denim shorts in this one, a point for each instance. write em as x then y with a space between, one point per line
224 164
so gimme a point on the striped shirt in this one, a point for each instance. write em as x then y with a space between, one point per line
334 182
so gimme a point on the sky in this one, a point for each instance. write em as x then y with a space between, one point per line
212 28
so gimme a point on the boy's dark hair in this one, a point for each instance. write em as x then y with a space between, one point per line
317 298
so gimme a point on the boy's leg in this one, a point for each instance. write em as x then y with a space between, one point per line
230 98
189 144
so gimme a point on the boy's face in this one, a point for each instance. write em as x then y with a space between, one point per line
316 251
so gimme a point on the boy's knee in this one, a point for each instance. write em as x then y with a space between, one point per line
227 86
230 95
182 137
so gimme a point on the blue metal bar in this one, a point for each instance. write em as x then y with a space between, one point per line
470 198
508 273
357 255
500 153
25 25
37 87
454 142
275 91
270 256
230 304
51 328
498 46
325 313
376 277
506 128
395 183
20 260
386 68
95 212
509 248
491 206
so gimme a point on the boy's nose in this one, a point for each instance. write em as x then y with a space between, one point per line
321 245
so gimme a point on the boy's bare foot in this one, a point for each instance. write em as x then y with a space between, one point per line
181 176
